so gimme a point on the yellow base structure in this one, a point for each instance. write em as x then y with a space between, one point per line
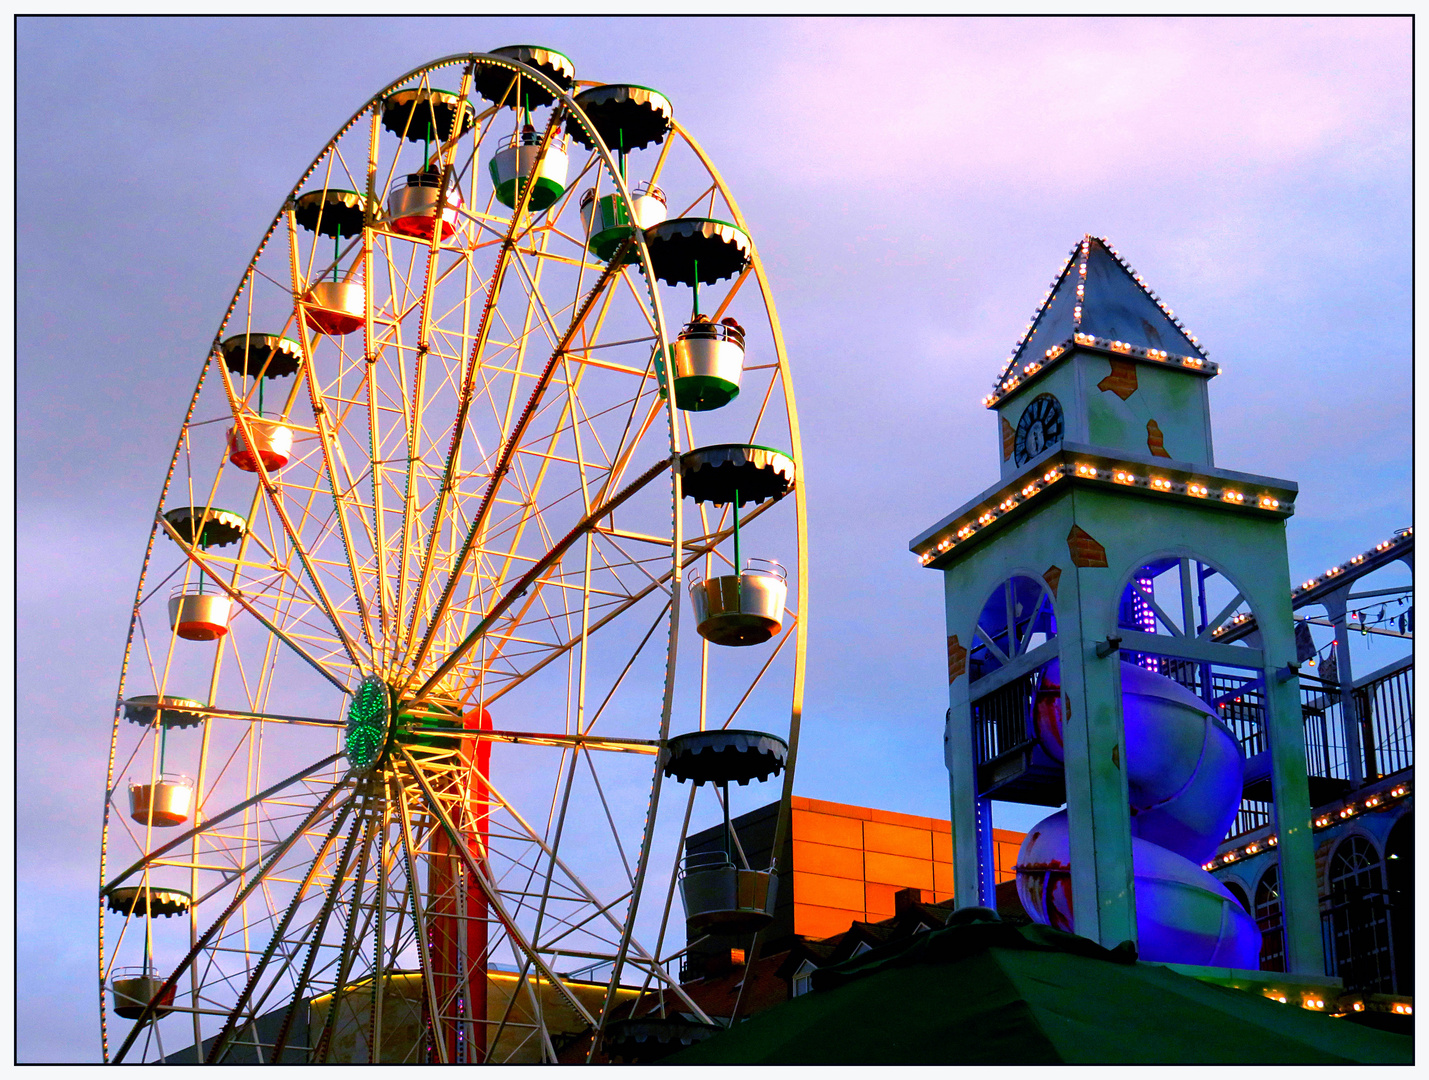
519 1041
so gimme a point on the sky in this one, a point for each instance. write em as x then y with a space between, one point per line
913 187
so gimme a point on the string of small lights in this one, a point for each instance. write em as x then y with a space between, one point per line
1078 257
1325 819
1302 593
1125 475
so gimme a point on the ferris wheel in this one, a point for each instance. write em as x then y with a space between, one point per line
500 408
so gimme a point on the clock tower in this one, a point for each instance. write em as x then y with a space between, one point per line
1113 550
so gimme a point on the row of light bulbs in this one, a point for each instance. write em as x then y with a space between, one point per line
1403 536
1316 1003
1350 809
987 517
1170 359
1161 483
1334 571
1088 471
1084 250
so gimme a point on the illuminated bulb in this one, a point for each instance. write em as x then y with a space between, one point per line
1272 841
1359 1006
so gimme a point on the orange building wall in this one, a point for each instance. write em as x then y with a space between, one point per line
850 860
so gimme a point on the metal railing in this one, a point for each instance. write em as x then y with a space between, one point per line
1002 720
1385 706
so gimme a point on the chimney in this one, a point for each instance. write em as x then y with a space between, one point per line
903 899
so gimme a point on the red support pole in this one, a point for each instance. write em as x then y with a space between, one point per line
457 912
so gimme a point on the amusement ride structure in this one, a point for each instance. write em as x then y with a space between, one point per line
1090 596
406 666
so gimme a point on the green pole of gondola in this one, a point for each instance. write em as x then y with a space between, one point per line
336 250
697 285
736 530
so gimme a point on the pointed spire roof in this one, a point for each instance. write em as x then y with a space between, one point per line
1098 299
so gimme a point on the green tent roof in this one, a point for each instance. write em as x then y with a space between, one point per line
991 993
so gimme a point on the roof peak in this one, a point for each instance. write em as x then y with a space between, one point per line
1098 294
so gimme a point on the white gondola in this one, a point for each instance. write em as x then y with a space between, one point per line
741 609
196 615
167 802
268 441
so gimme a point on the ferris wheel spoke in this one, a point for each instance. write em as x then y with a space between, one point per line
315 942
531 575
219 1048
493 896
234 594
327 444
512 442
216 820
582 891
419 921
324 1044
446 487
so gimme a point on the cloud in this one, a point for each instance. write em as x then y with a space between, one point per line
1071 103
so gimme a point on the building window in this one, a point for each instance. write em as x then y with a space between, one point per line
1267 917
803 980
1356 919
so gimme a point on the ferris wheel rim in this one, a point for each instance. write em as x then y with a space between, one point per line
566 98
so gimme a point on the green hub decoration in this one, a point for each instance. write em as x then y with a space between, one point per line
367 722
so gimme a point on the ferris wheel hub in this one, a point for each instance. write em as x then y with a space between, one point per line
369 722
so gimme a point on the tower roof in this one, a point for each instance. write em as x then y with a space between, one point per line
1097 295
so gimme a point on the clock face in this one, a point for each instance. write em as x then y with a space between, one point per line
1039 428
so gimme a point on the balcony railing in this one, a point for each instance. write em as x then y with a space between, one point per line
1384 705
